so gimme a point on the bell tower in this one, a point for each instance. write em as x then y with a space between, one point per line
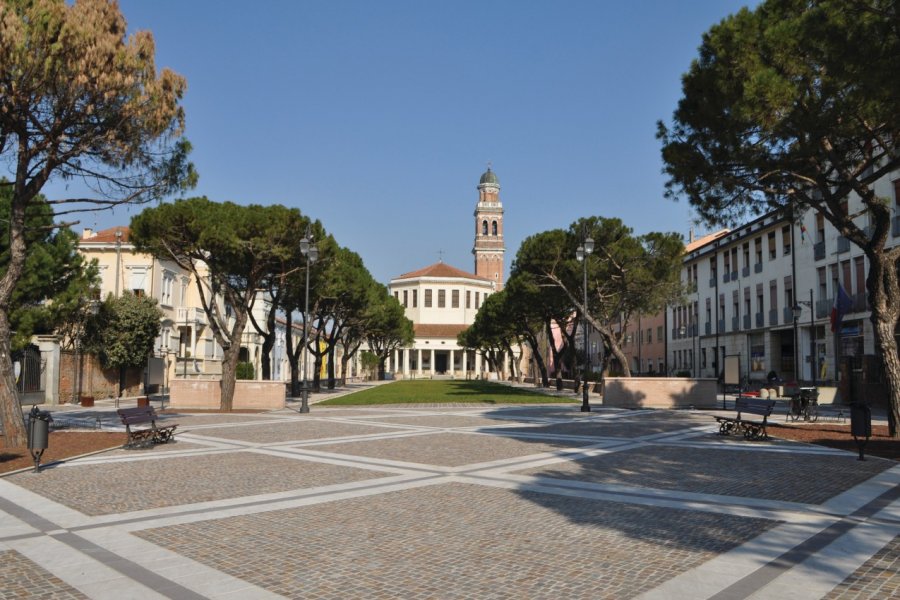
488 248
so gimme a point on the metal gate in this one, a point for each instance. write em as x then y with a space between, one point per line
28 366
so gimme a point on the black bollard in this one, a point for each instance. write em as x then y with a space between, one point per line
860 425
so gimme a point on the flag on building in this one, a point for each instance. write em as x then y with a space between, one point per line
841 307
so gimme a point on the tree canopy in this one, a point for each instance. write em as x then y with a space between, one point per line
124 330
79 100
230 250
794 106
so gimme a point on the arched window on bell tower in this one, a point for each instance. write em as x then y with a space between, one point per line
484 228
494 228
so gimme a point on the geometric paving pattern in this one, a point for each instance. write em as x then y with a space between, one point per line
454 502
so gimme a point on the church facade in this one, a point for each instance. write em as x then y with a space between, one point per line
442 300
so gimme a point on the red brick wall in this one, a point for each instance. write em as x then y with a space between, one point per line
96 381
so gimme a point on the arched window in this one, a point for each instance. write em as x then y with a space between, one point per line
494 228
484 228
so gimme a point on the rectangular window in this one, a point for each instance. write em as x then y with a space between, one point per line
727 259
845 272
747 255
415 298
820 228
712 267
650 336
859 264
757 246
454 299
468 299
659 333
477 300
397 296
427 298
773 251
786 239
442 298
405 298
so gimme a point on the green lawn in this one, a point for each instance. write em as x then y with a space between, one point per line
454 390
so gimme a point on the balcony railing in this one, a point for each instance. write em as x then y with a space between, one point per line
788 314
734 275
708 328
760 320
745 272
819 251
712 281
843 244
735 324
721 326
190 316
726 277
746 321
823 308
758 267
773 317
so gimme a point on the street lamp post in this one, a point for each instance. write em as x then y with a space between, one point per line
797 309
311 252
582 253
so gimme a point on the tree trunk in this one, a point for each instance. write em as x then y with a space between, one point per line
268 344
10 409
345 361
331 376
883 291
382 364
293 357
229 362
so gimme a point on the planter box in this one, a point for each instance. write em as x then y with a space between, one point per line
206 394
87 401
660 392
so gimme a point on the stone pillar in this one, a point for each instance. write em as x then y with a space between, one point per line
431 366
49 348
465 363
406 363
477 365
452 358
419 362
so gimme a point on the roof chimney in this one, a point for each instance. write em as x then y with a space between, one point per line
87 234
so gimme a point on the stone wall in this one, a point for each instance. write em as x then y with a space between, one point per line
95 380
205 394
660 392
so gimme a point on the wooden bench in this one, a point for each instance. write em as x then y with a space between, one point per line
143 415
752 430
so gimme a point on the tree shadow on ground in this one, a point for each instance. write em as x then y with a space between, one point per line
633 474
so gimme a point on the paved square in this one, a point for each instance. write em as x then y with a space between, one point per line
387 503
810 479
448 449
119 487
459 541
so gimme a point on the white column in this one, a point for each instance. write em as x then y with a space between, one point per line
419 361
431 366
452 358
405 363
477 365
193 342
465 362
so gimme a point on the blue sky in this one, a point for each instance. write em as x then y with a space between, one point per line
378 117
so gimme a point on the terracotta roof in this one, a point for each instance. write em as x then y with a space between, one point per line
700 242
439 330
440 269
109 235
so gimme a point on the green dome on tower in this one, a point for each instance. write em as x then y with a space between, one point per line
489 177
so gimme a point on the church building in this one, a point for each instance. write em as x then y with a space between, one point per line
442 300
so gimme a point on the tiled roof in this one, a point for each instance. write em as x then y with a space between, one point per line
109 235
441 269
438 330
700 242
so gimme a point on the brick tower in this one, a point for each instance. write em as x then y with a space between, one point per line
488 248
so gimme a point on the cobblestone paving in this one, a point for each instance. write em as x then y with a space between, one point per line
879 577
141 485
804 478
22 578
175 446
447 449
294 430
187 420
459 541
445 421
619 427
